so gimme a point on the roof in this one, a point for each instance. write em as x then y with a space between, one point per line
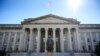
89 26
19 26
10 26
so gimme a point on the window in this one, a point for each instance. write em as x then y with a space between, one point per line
88 39
94 40
18 36
16 49
89 47
6 37
12 39
83 47
94 36
10 49
12 36
18 39
88 36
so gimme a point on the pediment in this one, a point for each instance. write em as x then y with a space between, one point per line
50 19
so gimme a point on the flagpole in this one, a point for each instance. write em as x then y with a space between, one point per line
50 6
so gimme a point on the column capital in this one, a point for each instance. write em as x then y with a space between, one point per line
54 28
31 28
23 28
61 28
38 28
69 28
46 28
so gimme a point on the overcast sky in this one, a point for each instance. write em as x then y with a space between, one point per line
15 11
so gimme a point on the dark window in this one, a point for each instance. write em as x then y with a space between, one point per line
10 49
88 40
89 47
94 40
16 49
83 47
18 40
12 39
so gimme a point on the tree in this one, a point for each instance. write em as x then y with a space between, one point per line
97 49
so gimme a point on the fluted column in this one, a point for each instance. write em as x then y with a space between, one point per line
69 40
38 40
54 39
61 40
78 40
31 39
3 40
46 36
85 39
92 43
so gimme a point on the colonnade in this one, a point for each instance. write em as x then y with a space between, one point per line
31 39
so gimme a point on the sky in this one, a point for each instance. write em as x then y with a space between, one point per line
15 11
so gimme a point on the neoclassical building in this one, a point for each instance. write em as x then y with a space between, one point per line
29 38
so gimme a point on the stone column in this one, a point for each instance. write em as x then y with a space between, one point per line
78 40
3 40
8 41
54 39
61 40
38 40
31 39
46 36
14 42
86 44
97 37
92 43
69 40
21 44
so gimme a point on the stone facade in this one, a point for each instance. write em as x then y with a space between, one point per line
30 37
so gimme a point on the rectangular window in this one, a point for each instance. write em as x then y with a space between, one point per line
89 47
83 47
88 39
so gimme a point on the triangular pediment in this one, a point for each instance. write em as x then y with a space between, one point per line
50 19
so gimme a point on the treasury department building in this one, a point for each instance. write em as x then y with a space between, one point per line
69 36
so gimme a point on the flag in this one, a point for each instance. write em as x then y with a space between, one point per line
49 4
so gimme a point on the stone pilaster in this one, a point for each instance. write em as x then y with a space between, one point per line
92 43
3 40
21 46
14 42
8 41
86 44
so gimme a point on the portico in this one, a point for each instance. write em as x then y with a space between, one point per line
63 32
64 35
